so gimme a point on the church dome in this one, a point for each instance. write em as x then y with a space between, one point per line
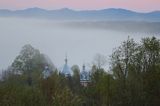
84 75
66 70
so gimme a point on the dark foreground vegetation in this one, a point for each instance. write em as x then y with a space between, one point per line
135 79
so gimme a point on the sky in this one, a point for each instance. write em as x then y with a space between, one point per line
135 5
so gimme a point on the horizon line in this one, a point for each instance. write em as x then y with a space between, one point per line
79 9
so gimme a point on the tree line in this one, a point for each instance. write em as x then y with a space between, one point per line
134 79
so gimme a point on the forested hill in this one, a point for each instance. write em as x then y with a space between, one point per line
110 14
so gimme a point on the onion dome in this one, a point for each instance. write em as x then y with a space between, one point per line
66 70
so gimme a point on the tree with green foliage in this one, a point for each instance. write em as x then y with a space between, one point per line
30 63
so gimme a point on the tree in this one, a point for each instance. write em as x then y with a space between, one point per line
136 67
30 62
123 66
99 61
76 79
151 70
58 93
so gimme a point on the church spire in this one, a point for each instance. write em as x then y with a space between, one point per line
83 66
66 69
66 60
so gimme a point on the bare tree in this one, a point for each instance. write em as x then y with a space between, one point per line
99 61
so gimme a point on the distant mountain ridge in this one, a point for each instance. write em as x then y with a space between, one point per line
111 14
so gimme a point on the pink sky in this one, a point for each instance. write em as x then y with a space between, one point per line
136 5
